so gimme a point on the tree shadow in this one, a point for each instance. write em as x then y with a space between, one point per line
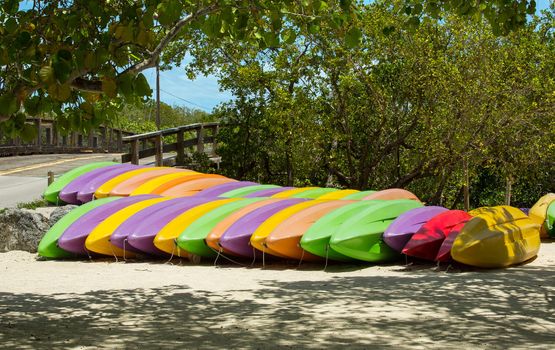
408 309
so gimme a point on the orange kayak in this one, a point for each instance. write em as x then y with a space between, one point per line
125 188
191 187
391 194
213 238
285 238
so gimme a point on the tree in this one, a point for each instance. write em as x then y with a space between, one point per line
84 57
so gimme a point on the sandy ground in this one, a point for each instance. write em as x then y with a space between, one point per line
152 305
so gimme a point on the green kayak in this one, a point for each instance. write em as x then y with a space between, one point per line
314 193
48 246
360 237
193 239
550 220
52 191
316 239
244 191
358 196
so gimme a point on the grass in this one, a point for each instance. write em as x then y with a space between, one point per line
33 205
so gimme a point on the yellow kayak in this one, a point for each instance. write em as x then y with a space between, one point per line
497 237
291 192
151 185
98 240
258 238
104 190
538 213
165 239
337 194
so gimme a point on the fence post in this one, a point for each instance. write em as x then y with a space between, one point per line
200 139
159 149
134 151
180 158
50 177
120 144
38 124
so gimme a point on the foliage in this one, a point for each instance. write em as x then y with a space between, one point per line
405 108
33 205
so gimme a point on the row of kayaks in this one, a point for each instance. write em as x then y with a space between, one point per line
208 220
108 179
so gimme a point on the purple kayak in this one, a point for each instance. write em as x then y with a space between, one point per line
74 237
237 237
401 229
268 192
141 229
88 189
215 191
69 193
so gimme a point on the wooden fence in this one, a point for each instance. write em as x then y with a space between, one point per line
183 140
49 140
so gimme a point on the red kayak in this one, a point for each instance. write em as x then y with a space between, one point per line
427 241
444 253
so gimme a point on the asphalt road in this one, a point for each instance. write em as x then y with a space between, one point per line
24 178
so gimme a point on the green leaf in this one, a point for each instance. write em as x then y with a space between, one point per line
141 86
109 86
31 105
353 37
169 11
28 133
8 104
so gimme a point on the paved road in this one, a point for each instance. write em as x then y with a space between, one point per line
24 178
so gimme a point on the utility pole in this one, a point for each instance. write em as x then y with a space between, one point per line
158 138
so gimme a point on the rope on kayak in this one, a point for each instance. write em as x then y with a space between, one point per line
171 256
253 256
124 241
301 260
263 258
217 256
220 253
113 253
88 254
327 251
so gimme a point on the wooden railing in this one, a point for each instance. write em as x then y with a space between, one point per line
183 140
49 140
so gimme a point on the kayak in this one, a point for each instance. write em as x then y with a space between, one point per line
444 252
316 239
98 240
236 238
73 238
68 194
217 190
285 238
269 192
104 190
402 229
193 238
258 237
292 193
244 191
86 193
360 237
339 194
358 195
150 186
213 238
193 187
48 246
314 193
538 213
497 237
126 187
551 220
425 243
139 232
165 239
392 193
52 191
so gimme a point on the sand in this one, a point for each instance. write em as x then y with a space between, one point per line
152 305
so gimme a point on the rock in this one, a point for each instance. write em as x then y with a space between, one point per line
59 212
21 229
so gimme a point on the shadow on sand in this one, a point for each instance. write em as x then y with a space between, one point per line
415 308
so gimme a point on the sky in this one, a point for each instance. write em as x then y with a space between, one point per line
204 92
